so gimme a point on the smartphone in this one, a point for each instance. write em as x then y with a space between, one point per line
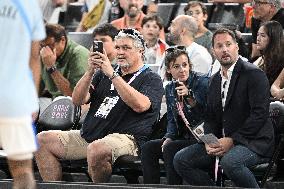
98 46
177 84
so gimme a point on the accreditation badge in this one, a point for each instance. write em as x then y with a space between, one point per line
106 107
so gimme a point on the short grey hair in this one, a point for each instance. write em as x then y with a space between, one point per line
276 3
138 39
189 23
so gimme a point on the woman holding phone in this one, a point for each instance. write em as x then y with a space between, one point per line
186 92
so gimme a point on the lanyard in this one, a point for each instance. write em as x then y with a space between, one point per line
134 76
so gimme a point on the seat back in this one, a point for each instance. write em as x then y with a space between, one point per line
228 13
61 114
82 38
72 16
276 111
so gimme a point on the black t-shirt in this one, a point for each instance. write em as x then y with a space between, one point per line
255 23
122 119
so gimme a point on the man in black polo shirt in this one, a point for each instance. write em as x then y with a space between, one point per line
124 104
263 11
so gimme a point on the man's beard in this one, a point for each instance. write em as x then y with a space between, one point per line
132 14
227 64
173 38
125 65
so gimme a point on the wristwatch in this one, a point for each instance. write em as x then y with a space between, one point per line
51 69
114 75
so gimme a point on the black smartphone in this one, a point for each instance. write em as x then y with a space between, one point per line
98 46
177 84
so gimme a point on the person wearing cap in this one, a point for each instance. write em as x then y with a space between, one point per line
263 11
124 104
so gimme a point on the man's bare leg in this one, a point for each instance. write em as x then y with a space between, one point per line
22 173
50 149
99 159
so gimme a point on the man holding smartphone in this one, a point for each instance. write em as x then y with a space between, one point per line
124 104
238 110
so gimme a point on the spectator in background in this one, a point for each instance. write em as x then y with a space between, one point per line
182 32
64 62
277 88
191 88
151 28
270 44
198 11
152 7
50 9
133 16
21 31
94 12
238 115
264 10
106 33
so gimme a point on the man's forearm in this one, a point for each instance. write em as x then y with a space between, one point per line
81 91
134 99
62 83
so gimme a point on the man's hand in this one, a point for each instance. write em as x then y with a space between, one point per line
225 144
92 65
101 60
48 56
168 140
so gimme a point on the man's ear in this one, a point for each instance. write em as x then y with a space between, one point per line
205 17
63 39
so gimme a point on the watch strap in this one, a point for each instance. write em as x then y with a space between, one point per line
51 69
114 75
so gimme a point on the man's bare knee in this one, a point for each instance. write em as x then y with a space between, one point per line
99 151
49 141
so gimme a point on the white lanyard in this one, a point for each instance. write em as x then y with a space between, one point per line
134 76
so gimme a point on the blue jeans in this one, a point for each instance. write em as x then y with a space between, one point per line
193 164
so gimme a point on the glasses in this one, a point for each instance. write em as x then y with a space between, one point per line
258 3
172 49
223 91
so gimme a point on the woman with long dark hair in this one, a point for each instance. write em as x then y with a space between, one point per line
270 44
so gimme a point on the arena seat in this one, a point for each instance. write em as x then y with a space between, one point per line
83 38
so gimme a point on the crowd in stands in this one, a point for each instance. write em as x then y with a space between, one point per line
208 82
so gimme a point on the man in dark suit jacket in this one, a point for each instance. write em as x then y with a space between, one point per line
238 110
